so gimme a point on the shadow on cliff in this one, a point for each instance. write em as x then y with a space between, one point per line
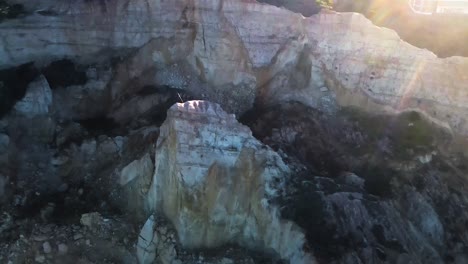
13 85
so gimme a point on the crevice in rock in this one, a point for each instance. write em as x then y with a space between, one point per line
99 125
306 8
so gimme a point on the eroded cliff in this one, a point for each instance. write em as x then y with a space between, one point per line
89 125
230 51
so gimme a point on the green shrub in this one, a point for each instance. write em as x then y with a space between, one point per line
328 4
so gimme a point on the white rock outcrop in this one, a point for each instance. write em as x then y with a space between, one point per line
214 181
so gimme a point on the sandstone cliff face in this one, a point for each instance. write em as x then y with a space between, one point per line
231 51
389 72
215 182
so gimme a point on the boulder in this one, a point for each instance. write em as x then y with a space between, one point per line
216 183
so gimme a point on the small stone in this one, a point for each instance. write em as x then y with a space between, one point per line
46 247
63 187
46 229
59 161
425 158
80 191
62 249
40 238
352 180
91 220
77 236
323 89
88 242
226 261
40 259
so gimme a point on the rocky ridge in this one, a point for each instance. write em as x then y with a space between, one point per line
236 53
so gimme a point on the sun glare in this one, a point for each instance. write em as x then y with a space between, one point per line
430 7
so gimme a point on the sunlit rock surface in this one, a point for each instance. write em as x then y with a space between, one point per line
215 182
242 48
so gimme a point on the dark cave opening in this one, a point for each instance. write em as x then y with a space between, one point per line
63 73
14 81
13 85
99 125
